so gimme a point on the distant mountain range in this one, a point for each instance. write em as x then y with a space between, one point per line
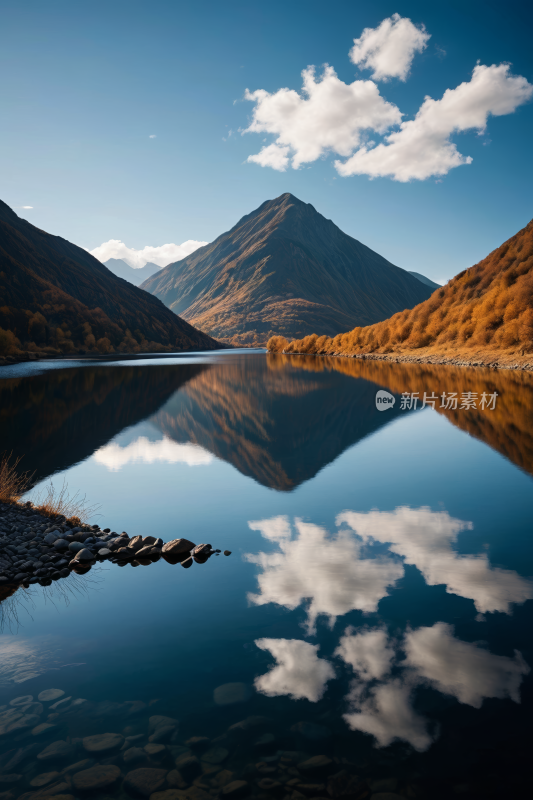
57 299
432 285
484 316
284 269
136 276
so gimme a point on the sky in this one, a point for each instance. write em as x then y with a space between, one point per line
152 124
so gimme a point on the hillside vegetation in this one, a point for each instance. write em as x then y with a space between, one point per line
483 315
56 299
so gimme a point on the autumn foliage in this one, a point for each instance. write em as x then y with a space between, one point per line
487 308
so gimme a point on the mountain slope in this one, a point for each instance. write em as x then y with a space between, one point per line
284 268
57 298
484 315
432 285
136 276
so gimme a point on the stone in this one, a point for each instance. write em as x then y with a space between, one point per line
320 763
104 552
175 780
22 701
76 547
44 778
197 742
201 550
61 545
149 540
95 778
189 767
23 724
248 724
49 695
271 786
133 755
145 781
162 734
155 750
84 555
311 789
135 543
188 562
51 537
144 551
235 789
56 750
177 546
386 796
61 705
311 731
215 755
168 794
78 766
103 742
230 693
33 708
265 742
342 784
224 777
158 721
227 552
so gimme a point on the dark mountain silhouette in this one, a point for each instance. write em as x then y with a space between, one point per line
284 269
59 418
432 285
57 298
136 276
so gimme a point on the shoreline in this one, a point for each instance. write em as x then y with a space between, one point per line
435 359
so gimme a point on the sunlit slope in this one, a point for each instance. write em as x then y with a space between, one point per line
284 268
485 313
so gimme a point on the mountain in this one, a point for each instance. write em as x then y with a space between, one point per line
56 299
136 276
432 285
484 316
285 269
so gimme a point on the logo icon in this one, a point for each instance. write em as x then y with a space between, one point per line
384 400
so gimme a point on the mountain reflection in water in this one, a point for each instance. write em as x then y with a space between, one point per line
278 420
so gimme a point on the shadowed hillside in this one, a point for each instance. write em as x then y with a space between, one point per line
57 299
284 268
61 417
483 315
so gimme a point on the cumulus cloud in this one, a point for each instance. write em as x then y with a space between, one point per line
298 672
152 136
163 255
387 714
390 48
461 669
424 538
368 653
329 573
26 206
142 450
328 115
422 147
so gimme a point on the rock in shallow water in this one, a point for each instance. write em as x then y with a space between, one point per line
145 781
177 546
95 778
230 693
60 749
21 701
235 789
103 742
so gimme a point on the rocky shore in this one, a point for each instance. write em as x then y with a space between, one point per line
489 361
70 748
37 549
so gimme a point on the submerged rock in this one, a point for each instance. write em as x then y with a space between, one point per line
97 777
145 781
103 742
21 701
235 789
230 693
60 749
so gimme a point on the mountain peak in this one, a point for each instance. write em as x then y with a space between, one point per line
281 268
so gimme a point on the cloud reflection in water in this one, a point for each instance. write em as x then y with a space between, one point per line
114 457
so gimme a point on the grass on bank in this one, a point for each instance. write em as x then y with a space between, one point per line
49 501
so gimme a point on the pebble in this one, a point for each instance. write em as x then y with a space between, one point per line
155 750
21 701
44 778
189 767
177 546
103 742
235 789
159 721
145 781
133 755
215 755
316 764
60 749
227 552
95 778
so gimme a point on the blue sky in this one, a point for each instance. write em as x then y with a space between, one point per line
84 85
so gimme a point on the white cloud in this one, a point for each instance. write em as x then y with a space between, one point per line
387 714
390 48
422 146
464 670
142 450
27 206
368 653
163 255
424 538
329 115
298 672
152 136
328 572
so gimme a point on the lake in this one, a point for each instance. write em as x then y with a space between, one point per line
370 631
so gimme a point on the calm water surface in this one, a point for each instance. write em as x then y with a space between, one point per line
376 607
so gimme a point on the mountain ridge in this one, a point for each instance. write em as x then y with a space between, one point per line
58 299
283 266
122 269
